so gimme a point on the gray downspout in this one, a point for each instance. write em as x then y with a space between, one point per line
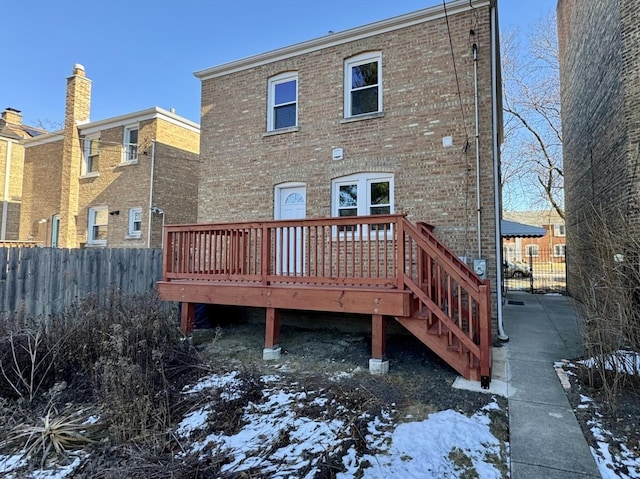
5 198
477 133
149 212
496 166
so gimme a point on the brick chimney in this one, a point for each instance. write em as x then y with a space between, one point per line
11 116
77 109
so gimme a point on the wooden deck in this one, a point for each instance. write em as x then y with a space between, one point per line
378 265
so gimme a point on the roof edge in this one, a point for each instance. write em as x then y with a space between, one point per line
371 29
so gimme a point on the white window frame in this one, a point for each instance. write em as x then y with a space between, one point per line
559 230
362 182
273 82
132 231
535 250
564 250
349 64
127 156
92 216
87 158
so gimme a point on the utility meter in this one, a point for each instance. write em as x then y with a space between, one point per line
480 267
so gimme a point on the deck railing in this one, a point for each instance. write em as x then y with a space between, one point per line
354 251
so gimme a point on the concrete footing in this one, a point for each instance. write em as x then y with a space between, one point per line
378 366
269 354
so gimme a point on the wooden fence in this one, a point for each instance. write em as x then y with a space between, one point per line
43 281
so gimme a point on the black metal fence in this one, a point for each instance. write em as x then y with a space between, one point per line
539 271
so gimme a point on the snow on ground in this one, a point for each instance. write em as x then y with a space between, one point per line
621 458
626 362
279 440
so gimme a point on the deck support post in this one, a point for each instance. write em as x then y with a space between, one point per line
378 364
187 318
272 335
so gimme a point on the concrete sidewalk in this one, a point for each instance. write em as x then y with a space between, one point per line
545 437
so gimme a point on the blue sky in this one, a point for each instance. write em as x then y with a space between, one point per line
142 53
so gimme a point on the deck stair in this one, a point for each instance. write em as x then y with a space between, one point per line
450 312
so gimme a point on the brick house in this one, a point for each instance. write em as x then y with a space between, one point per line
549 248
351 174
600 93
111 182
12 132
377 119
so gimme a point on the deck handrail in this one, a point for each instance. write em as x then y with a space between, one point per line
457 299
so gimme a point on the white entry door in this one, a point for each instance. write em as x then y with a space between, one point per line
292 206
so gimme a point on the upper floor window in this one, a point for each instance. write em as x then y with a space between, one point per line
91 151
283 102
363 84
98 224
363 194
135 222
130 144
559 230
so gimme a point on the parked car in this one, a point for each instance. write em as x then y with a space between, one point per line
513 269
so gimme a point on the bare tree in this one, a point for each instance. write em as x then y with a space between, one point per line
532 151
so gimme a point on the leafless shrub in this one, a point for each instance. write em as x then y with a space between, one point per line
609 290
124 350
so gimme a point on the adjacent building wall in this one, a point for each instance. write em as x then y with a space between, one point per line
599 69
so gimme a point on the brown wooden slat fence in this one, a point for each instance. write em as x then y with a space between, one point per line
43 281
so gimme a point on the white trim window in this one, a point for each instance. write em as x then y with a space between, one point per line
130 144
559 230
560 250
363 194
91 152
135 223
531 250
98 225
363 84
283 102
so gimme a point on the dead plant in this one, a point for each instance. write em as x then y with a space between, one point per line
609 290
53 433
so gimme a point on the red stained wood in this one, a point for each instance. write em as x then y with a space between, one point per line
378 336
187 318
272 328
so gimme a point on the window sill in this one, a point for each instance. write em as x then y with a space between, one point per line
93 174
95 245
133 237
365 116
127 163
281 131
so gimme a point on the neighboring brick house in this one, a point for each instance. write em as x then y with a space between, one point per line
600 93
12 132
549 248
373 120
112 182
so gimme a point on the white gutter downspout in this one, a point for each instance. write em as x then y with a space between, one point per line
478 202
496 169
5 197
150 213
